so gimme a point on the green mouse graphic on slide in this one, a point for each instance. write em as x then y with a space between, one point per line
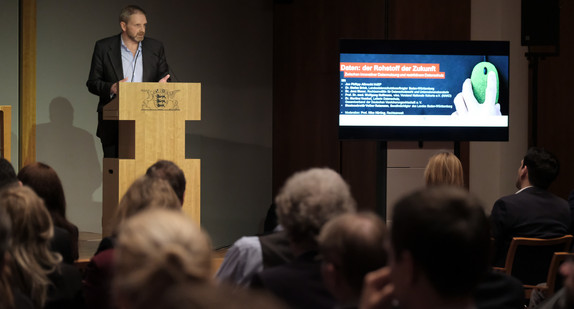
479 95
479 79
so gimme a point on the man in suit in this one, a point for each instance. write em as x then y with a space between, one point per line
438 253
126 57
532 211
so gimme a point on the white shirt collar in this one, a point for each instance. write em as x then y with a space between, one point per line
523 189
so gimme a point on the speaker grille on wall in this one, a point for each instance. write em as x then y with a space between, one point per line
540 22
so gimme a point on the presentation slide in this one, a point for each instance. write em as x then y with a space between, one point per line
423 90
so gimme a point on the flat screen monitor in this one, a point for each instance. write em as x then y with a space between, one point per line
396 90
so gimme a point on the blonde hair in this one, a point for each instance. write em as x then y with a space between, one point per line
32 231
146 193
156 250
444 168
309 199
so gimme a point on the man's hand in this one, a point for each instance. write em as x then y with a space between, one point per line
164 79
377 290
115 87
467 105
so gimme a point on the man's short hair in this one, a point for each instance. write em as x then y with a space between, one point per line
542 167
170 172
309 199
128 11
446 232
7 173
354 244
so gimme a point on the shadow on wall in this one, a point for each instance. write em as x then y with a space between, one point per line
71 151
235 187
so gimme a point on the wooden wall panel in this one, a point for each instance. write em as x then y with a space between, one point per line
429 19
305 72
27 82
305 110
555 108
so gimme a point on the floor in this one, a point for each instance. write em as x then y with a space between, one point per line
87 244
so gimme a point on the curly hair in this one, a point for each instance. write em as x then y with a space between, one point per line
311 198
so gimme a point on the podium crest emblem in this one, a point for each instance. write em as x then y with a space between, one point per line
160 100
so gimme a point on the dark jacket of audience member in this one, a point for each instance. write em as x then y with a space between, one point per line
571 205
533 211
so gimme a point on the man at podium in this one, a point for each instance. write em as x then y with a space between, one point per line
124 58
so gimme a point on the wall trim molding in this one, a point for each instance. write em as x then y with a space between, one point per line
27 83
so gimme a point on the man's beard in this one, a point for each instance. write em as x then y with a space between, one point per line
138 37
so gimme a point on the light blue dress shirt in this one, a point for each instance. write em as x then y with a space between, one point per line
132 64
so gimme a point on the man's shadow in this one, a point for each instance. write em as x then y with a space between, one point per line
71 151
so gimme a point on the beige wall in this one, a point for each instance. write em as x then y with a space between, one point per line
493 165
225 45
9 65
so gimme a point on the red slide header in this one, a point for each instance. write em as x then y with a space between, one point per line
392 70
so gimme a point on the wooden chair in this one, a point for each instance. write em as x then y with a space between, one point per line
81 264
549 287
529 259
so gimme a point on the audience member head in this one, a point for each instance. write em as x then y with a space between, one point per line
7 174
32 231
539 168
567 271
444 168
351 246
170 172
207 296
439 243
146 193
156 250
45 182
308 200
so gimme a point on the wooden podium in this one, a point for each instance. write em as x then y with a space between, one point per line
151 118
5 136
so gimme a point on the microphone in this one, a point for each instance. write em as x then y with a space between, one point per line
135 63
